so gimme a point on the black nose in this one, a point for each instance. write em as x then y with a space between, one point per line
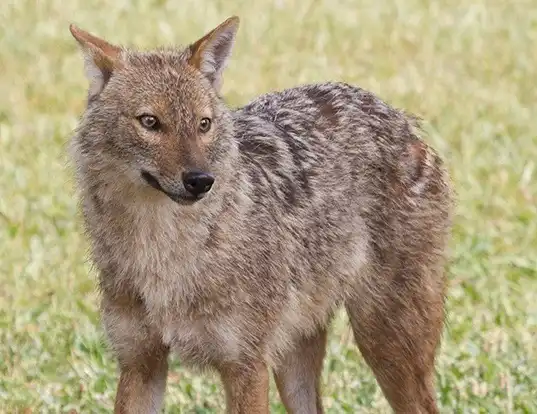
197 183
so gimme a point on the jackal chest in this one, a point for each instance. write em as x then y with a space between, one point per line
203 341
149 249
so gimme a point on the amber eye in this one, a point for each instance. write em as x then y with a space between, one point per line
205 124
149 122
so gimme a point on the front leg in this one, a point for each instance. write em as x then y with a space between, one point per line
142 357
247 387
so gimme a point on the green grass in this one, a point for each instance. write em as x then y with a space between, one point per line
467 68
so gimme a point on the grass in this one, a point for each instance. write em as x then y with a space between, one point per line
467 68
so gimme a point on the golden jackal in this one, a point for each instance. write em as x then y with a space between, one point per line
231 236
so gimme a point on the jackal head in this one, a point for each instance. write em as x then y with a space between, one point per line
154 120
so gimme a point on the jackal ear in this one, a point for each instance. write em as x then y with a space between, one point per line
100 59
210 53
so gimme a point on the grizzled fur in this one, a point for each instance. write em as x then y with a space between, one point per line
324 196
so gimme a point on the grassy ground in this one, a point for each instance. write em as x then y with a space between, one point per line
468 68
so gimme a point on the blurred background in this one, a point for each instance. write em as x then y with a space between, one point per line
468 68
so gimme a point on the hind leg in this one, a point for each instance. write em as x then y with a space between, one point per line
398 333
298 375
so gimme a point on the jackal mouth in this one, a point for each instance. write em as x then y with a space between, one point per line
152 181
181 198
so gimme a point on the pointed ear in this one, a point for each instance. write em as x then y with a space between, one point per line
100 59
210 53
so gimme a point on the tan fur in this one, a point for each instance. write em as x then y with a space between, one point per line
298 375
324 197
246 387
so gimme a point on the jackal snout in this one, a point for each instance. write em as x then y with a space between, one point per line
190 186
197 183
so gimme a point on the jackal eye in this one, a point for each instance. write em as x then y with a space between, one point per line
149 122
205 124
